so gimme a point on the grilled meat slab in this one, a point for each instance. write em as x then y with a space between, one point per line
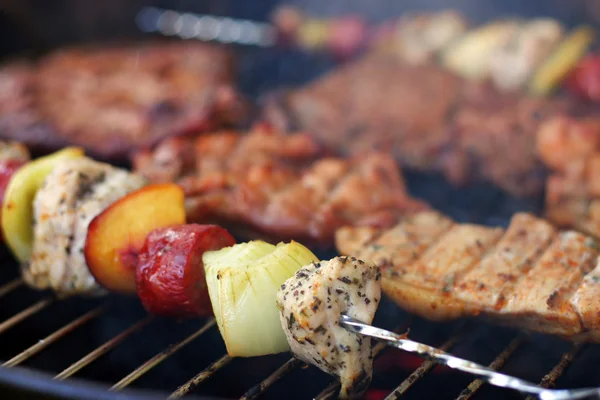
111 100
530 275
280 186
427 117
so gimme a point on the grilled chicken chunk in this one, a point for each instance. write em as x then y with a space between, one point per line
311 304
280 187
71 196
530 275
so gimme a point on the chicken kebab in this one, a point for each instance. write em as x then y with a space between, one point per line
79 226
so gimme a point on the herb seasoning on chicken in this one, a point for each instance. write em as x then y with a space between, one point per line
72 195
311 303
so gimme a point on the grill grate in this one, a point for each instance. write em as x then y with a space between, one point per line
451 339
280 373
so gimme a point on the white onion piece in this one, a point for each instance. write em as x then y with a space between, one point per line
243 281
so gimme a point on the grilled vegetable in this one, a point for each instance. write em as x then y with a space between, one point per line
17 210
470 55
512 66
12 157
170 273
564 58
243 281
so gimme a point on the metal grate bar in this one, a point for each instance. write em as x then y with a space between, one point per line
10 286
423 369
26 313
331 390
160 357
495 365
50 339
105 348
201 377
279 373
565 361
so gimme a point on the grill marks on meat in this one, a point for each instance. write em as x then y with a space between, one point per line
529 276
71 196
282 186
514 255
427 117
114 99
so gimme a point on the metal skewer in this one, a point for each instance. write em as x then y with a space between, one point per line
483 372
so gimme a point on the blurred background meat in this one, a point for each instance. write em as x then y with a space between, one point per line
279 187
111 100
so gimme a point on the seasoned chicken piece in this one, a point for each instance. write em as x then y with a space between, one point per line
311 304
71 196
529 276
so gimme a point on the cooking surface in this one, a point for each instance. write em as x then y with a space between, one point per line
477 341
531 357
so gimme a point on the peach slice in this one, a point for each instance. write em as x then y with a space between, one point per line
116 236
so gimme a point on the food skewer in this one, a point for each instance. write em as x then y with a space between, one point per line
485 373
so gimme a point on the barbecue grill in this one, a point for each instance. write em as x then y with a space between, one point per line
96 348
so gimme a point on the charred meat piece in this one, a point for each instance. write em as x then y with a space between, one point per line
492 138
311 304
72 195
20 118
114 99
530 275
571 149
281 186
377 102
427 117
